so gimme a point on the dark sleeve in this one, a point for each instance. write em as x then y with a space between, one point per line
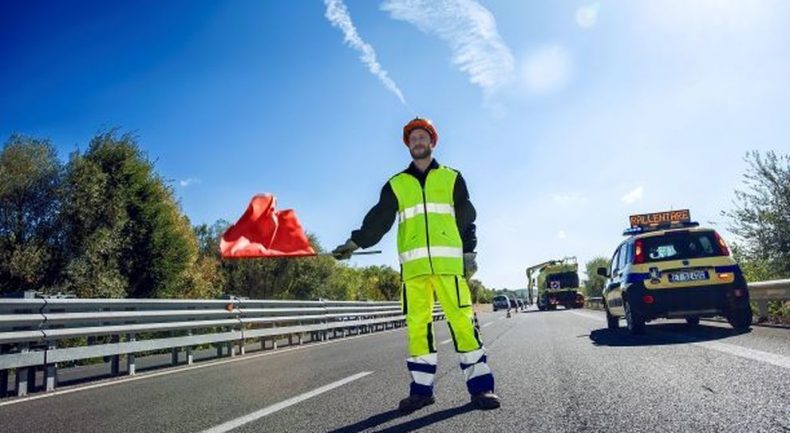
465 215
378 220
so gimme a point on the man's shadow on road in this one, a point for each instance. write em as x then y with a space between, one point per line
407 426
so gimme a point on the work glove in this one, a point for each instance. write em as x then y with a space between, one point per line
470 264
343 252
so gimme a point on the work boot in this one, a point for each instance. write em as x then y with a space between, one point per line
414 402
486 400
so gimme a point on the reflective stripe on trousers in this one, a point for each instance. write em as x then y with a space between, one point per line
423 371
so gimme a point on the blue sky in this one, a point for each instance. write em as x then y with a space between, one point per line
564 116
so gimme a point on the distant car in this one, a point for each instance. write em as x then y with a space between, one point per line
500 302
673 269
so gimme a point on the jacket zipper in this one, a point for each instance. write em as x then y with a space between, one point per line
425 214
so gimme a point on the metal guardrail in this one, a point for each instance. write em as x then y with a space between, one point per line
764 291
594 303
760 292
41 332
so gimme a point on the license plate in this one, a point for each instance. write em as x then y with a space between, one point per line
682 277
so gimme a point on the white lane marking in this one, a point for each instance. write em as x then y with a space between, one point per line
449 340
588 315
732 349
502 318
743 352
205 364
268 410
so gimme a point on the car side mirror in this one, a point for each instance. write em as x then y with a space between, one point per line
602 272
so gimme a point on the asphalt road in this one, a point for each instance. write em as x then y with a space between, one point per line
556 371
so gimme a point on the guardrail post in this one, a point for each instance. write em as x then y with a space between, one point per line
219 350
301 335
22 377
325 322
3 374
130 362
762 306
115 360
173 352
237 309
274 338
190 357
51 371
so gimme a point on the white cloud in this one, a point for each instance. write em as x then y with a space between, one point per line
567 198
470 30
188 181
337 14
547 70
562 235
587 16
633 196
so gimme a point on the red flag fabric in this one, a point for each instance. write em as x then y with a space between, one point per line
265 232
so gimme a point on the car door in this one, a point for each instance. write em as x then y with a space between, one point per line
614 287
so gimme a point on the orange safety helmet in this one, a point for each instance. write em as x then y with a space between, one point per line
419 123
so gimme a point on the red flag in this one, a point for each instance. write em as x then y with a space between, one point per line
264 232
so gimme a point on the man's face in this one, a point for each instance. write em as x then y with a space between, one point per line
420 145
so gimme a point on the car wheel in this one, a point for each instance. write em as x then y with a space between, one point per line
740 319
635 323
692 321
612 322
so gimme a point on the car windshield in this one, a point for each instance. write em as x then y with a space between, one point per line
681 245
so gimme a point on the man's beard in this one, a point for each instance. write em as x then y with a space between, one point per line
421 152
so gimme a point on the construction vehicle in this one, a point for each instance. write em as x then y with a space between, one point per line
556 282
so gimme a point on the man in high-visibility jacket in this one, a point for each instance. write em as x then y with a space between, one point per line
436 243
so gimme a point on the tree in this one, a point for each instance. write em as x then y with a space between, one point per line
125 233
389 283
30 179
761 217
284 278
379 283
480 295
593 286
343 284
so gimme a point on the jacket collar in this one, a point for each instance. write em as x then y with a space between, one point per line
414 171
